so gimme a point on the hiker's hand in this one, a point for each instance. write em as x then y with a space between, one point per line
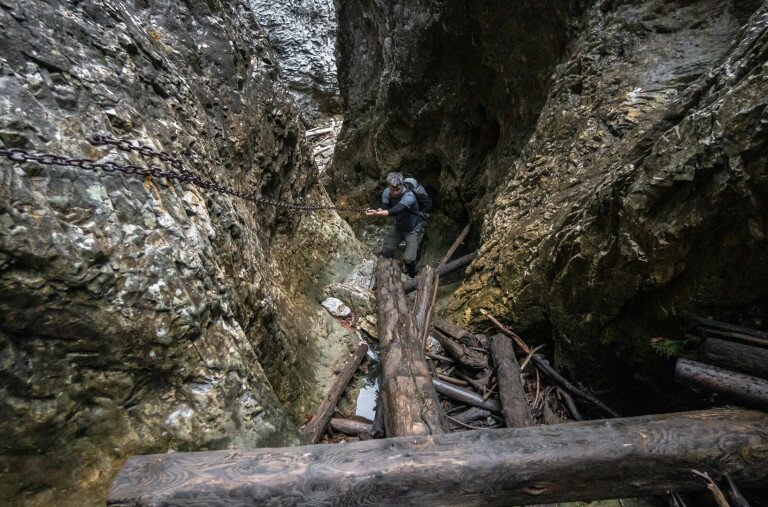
376 212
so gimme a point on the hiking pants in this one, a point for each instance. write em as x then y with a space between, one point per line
412 240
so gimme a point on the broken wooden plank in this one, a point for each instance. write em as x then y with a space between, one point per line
410 285
410 402
633 457
514 405
749 390
736 356
315 429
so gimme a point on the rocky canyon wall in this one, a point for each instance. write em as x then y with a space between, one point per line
303 35
138 314
615 158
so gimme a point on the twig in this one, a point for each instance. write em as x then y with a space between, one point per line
461 423
538 389
717 493
437 357
530 356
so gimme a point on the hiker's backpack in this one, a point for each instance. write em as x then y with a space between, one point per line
425 202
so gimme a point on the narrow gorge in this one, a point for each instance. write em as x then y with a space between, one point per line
609 156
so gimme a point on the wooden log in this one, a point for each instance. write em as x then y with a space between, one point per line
472 414
410 402
463 355
570 404
315 429
317 132
590 460
751 391
464 396
455 331
459 240
352 427
710 324
424 303
514 405
410 285
736 356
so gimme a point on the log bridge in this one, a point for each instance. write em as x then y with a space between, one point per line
423 464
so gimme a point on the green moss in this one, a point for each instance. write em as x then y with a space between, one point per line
667 347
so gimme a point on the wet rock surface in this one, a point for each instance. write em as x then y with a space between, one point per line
143 315
614 153
303 35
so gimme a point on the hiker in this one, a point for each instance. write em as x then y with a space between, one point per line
401 203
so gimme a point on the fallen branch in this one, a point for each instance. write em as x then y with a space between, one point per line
463 355
549 371
736 356
317 132
465 396
352 427
315 429
410 285
454 246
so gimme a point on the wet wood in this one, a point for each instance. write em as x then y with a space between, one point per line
464 396
570 404
378 431
472 414
748 390
459 240
455 332
733 331
514 405
461 262
551 373
410 402
462 354
424 303
736 356
315 429
633 457
352 427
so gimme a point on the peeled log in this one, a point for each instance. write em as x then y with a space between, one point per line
751 391
736 356
590 460
410 402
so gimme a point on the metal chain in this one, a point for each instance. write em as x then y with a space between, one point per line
181 174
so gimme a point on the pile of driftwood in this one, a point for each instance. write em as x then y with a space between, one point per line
732 361
438 378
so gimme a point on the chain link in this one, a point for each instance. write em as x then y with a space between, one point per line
179 172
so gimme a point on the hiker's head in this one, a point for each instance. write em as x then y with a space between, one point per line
395 184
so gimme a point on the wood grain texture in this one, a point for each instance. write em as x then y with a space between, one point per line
460 353
514 405
315 429
633 457
410 401
748 390
736 356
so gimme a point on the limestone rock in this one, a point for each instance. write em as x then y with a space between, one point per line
303 35
140 315
336 307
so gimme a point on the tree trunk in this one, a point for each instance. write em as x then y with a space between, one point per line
517 412
736 356
315 429
634 457
410 402
751 391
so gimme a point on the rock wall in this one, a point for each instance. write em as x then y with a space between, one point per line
613 151
303 35
444 91
143 315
